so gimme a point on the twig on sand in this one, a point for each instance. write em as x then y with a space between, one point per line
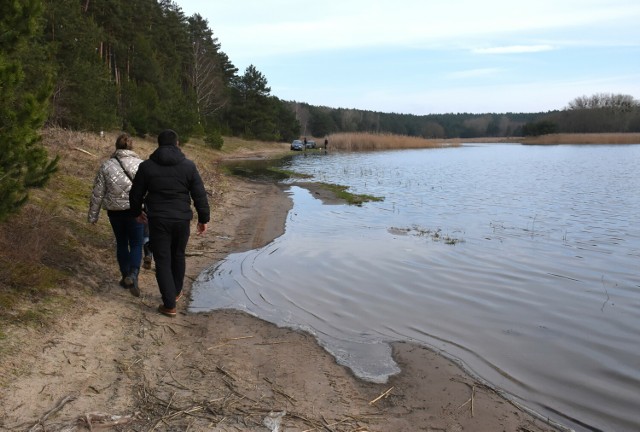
280 391
61 403
382 396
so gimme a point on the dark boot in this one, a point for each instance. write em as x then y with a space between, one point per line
124 282
148 256
132 281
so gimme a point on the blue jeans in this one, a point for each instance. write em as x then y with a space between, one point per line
129 238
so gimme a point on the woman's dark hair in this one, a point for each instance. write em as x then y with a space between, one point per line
124 142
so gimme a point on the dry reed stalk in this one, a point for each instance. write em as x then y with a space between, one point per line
384 395
84 151
470 400
226 341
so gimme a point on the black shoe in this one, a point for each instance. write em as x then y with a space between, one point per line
146 262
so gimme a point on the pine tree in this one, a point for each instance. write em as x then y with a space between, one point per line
24 91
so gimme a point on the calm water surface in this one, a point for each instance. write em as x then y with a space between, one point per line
519 261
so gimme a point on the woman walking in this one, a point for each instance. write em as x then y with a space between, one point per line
111 192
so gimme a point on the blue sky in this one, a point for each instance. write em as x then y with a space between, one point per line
425 56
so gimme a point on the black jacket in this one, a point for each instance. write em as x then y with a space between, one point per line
167 182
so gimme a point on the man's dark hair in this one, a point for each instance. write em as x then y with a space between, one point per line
168 137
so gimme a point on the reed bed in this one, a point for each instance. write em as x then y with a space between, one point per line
362 141
584 138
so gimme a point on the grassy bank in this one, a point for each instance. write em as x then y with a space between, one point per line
47 249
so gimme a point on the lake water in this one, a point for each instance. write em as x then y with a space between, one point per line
521 262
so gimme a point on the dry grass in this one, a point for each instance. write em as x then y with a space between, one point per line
361 141
586 138
239 146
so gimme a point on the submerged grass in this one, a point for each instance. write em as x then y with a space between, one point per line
340 192
289 173
435 235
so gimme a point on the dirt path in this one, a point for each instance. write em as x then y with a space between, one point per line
115 363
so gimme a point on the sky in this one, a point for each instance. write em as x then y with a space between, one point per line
432 56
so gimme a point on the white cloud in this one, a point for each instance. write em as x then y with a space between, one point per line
249 28
514 49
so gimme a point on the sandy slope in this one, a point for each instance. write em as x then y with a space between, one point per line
114 362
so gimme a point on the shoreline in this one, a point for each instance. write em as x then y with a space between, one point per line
113 361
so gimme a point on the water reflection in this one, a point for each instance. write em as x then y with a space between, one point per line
540 296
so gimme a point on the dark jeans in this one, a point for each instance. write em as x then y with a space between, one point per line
168 244
129 234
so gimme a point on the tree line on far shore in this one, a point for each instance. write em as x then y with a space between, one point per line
599 113
143 65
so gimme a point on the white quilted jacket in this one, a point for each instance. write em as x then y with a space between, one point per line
111 186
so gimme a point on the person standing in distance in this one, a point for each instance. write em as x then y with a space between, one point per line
168 182
111 191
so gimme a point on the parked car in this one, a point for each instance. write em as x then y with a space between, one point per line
297 145
311 144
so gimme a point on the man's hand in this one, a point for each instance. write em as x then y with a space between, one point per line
142 218
201 228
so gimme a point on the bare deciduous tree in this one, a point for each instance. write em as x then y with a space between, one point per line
206 79
620 102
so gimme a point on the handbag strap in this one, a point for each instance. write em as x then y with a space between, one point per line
123 168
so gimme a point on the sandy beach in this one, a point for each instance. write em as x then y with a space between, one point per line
112 362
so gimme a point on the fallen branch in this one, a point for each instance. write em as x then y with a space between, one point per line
61 403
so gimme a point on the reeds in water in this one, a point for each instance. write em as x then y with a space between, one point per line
584 138
362 141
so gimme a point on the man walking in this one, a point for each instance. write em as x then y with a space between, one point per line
167 183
